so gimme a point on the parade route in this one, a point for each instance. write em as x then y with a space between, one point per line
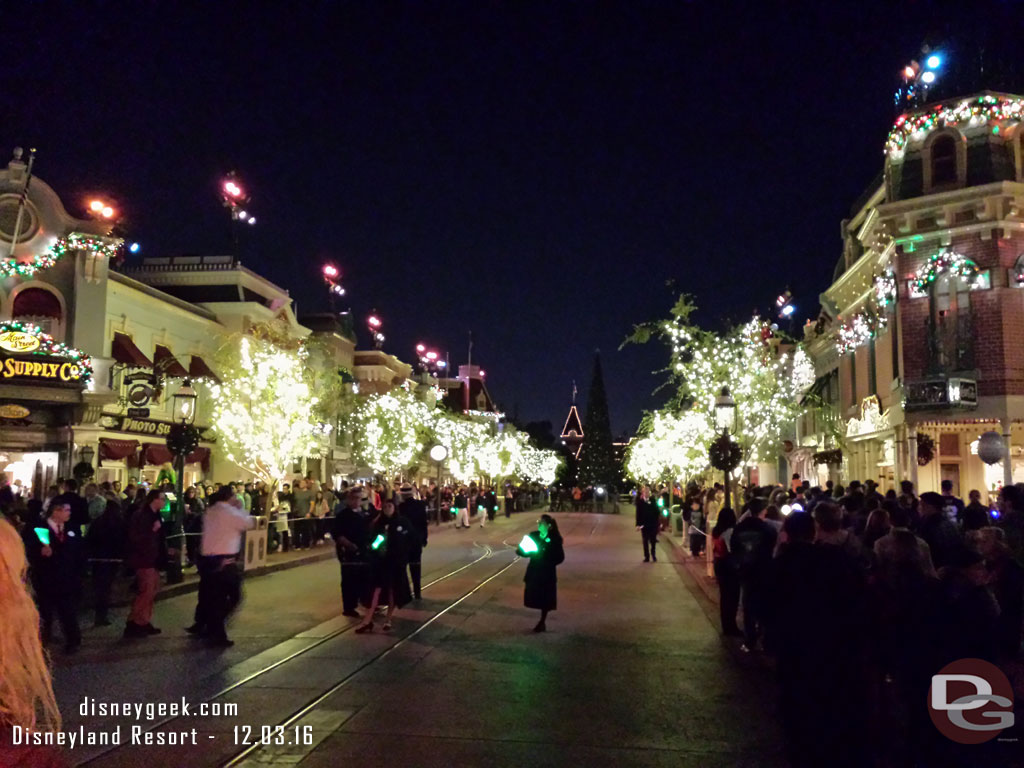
630 672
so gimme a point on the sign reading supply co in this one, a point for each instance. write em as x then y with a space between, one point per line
42 368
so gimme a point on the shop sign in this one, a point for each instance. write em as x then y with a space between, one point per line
14 411
140 426
39 368
871 419
18 341
940 394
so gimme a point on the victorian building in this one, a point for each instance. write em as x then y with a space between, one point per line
918 346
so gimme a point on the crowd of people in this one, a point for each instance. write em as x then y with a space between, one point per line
93 535
861 596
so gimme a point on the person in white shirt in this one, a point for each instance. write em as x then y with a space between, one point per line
220 579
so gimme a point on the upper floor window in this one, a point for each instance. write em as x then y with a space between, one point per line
944 160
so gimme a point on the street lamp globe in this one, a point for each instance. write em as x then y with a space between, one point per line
438 453
725 410
185 403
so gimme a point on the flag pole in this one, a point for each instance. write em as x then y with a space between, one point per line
23 200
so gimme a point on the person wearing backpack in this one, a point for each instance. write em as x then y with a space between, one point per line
752 546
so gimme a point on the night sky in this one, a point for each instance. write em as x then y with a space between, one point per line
534 172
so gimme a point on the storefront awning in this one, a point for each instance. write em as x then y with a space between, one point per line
115 450
124 351
198 369
158 454
166 363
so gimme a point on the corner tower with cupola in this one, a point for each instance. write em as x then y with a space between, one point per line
926 310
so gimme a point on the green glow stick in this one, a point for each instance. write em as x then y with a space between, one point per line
378 542
528 545
43 534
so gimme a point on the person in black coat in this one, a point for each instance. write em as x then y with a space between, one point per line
348 530
415 511
647 523
105 543
491 504
390 538
546 553
78 505
56 569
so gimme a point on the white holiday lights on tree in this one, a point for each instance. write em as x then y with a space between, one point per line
673 448
765 382
391 432
264 409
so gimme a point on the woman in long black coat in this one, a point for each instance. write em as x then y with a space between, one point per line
545 554
389 555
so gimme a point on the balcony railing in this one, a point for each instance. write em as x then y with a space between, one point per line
950 345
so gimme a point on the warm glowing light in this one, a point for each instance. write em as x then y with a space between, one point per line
330 271
373 321
420 348
107 212
908 72
431 355
96 206
232 189
928 78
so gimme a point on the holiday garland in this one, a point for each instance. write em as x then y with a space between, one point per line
974 112
864 326
942 263
50 347
76 241
925 449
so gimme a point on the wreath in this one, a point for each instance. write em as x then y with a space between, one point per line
925 449
725 453
182 439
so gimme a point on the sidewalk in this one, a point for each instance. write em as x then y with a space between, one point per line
696 566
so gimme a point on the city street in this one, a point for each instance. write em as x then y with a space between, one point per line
630 672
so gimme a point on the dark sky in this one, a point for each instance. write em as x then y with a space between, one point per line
533 171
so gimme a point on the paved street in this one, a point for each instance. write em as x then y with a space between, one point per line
631 671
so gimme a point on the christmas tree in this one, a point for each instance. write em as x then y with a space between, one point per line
598 465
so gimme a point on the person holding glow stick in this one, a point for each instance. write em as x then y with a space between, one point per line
544 549
389 539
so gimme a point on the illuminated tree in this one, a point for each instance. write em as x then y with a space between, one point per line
670 448
390 431
598 465
765 380
264 409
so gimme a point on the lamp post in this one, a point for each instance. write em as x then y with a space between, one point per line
725 453
438 454
181 440
725 418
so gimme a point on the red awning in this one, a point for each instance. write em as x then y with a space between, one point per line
198 369
156 454
200 456
166 363
36 302
115 450
124 351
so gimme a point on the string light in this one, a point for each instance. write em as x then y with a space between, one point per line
76 241
972 112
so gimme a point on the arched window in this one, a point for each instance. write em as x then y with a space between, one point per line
41 307
944 161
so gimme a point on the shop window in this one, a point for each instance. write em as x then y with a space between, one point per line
42 307
1017 273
